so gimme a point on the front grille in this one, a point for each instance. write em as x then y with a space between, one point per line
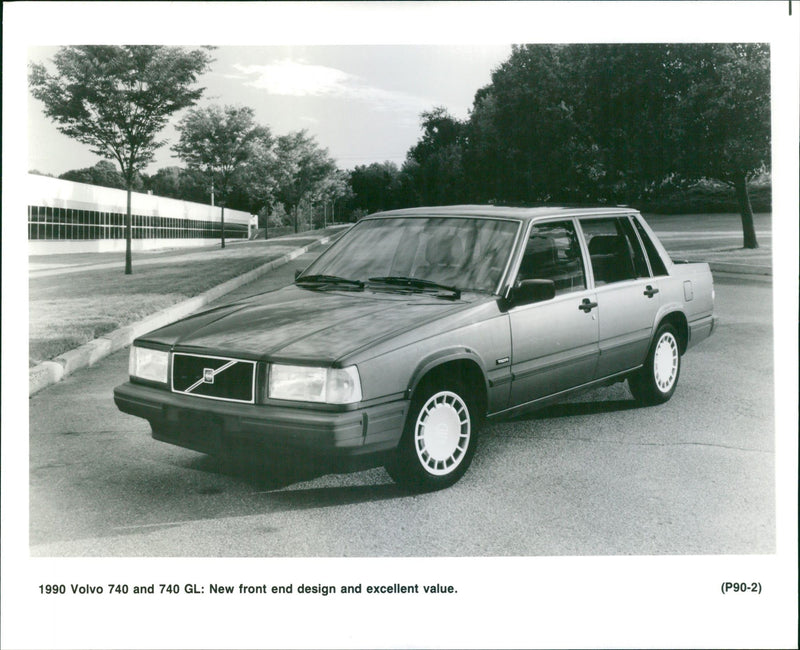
232 380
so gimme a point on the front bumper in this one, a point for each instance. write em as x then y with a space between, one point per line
233 429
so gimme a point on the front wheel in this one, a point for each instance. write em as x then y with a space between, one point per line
438 440
656 381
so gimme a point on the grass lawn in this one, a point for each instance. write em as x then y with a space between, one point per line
69 310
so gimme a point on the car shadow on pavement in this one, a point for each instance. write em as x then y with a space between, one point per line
324 497
260 475
277 479
571 409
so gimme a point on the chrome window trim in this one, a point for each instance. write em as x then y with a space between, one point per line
506 278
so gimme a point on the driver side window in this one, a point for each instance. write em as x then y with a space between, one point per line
553 253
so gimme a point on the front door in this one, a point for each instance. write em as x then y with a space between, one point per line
554 342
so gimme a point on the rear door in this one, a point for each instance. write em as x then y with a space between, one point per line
627 295
554 342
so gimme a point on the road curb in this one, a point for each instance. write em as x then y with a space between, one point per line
48 373
737 267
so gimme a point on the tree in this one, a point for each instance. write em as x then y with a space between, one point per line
218 141
376 187
103 173
435 162
610 123
520 140
725 108
116 99
179 183
259 177
305 171
333 187
620 102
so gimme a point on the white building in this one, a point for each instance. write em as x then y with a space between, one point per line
68 217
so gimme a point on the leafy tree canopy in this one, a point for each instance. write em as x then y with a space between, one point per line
218 140
603 123
179 183
376 187
257 183
307 173
434 166
103 173
116 99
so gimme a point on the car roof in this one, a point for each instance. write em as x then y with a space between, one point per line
496 211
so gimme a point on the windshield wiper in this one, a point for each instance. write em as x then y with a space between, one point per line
330 280
417 283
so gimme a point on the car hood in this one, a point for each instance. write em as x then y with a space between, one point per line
297 324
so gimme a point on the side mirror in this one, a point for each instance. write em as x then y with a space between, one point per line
530 291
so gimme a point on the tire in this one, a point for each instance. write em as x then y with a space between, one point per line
438 440
656 381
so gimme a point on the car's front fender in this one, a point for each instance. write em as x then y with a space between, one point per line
442 357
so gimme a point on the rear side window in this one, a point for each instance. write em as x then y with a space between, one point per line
615 251
656 263
553 253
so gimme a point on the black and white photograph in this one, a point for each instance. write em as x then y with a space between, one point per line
384 324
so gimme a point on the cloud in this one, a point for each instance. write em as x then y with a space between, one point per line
289 77
300 79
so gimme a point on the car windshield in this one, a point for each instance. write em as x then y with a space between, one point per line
463 253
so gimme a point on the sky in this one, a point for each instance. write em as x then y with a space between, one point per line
361 102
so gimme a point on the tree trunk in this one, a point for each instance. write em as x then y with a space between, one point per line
746 210
128 231
296 213
222 219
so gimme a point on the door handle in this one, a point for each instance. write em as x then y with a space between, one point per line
587 305
650 292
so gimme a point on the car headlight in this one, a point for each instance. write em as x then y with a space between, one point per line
309 384
148 364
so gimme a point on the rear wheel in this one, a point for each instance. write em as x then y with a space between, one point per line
656 381
438 440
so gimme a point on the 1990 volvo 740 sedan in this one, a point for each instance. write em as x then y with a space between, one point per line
414 327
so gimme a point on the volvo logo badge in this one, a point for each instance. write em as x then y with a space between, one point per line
208 375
